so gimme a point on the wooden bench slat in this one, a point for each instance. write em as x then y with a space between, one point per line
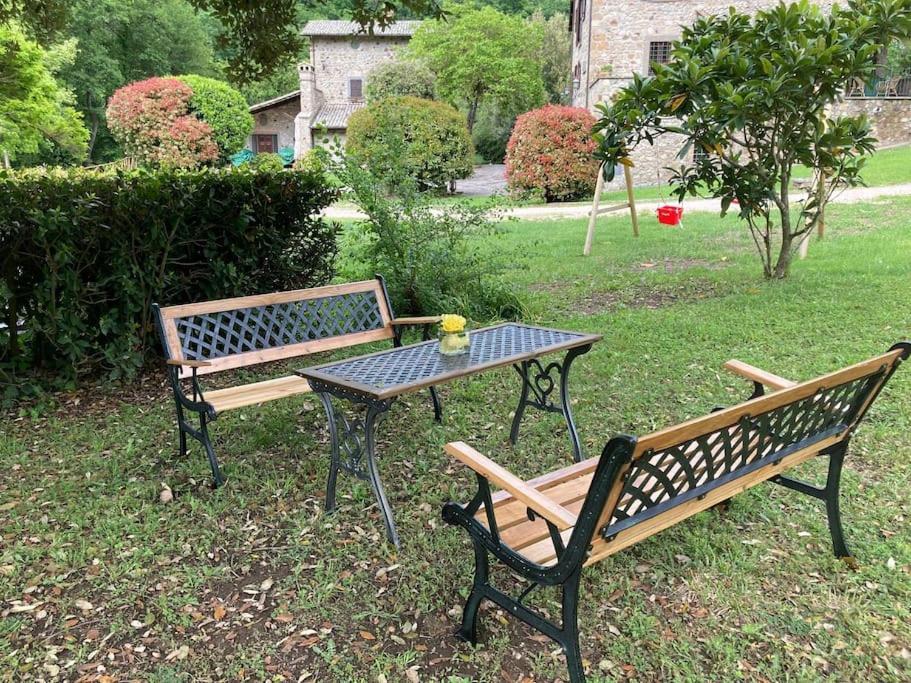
259 392
767 379
564 493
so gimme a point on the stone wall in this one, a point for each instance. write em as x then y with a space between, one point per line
613 45
890 117
277 120
337 59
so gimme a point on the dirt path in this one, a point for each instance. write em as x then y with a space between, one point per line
580 210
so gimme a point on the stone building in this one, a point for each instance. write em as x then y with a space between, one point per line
611 41
332 85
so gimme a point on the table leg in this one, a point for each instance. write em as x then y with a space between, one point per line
353 449
538 383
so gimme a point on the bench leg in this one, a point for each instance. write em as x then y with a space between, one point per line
833 486
469 629
538 383
201 435
570 641
566 635
182 435
210 452
828 494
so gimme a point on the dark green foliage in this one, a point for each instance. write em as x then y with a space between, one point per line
754 93
268 161
224 109
399 78
84 254
410 138
491 133
121 42
433 261
257 37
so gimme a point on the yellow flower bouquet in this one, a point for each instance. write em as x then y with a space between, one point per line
453 335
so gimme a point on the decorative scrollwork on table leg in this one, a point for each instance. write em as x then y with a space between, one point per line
353 449
539 382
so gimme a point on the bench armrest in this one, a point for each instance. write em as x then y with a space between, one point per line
419 320
543 506
189 363
757 375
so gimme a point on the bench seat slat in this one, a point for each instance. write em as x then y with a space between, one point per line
259 392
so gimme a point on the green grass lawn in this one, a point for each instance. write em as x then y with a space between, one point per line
253 582
885 167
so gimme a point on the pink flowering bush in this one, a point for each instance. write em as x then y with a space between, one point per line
551 151
153 122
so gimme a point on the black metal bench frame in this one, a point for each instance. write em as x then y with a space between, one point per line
214 336
640 486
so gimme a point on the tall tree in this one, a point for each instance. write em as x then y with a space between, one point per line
556 55
754 95
480 55
260 36
35 110
121 42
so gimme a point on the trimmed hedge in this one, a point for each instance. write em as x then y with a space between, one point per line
408 137
224 109
84 254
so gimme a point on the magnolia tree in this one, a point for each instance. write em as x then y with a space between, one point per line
755 94
153 122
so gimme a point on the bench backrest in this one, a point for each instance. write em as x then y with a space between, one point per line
232 333
644 485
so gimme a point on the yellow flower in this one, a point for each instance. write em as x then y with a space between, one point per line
452 324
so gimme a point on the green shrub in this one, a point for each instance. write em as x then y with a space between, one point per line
267 161
403 138
434 261
83 254
400 78
224 109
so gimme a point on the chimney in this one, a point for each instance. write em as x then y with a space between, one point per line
308 88
309 106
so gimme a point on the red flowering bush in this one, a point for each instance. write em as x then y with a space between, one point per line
152 120
551 151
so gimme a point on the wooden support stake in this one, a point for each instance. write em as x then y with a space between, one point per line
632 199
590 236
820 221
596 211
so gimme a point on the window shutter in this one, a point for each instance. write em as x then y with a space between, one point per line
356 88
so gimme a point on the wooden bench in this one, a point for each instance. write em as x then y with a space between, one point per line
214 336
547 529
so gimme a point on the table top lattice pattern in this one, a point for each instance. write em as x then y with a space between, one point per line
421 363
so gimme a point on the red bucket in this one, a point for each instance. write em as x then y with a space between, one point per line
670 215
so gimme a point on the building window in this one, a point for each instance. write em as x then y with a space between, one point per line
699 154
263 143
658 51
356 88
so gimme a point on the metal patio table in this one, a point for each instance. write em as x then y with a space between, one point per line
375 381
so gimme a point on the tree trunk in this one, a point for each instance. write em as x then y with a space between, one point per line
783 265
472 114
